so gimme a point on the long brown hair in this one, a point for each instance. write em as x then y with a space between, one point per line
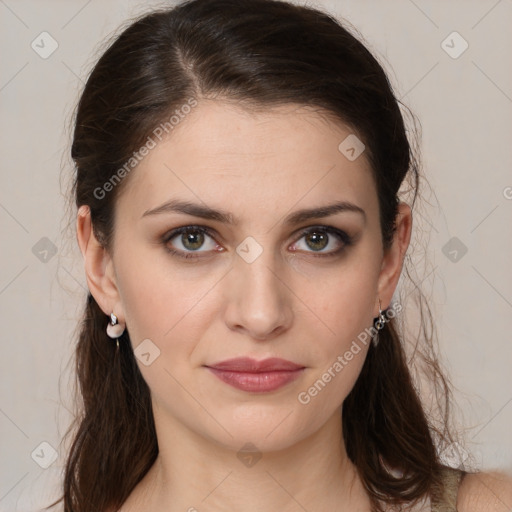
261 53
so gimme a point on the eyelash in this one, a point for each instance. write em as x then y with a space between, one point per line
330 230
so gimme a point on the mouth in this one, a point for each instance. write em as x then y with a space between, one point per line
256 376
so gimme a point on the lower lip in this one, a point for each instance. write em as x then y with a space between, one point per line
257 382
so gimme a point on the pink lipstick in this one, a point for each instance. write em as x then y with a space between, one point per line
249 374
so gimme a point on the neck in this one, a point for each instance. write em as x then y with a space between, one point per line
192 474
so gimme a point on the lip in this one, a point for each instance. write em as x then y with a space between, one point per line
249 374
247 364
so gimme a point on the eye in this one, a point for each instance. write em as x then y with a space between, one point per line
186 241
319 238
189 239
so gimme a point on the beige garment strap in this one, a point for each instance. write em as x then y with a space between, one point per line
445 499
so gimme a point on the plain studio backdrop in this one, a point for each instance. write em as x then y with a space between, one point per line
447 60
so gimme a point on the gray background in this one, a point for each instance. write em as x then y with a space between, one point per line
464 105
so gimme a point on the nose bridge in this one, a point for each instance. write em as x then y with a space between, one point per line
259 301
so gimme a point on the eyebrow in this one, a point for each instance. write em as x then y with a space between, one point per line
205 212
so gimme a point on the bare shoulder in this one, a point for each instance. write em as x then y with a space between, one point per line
485 492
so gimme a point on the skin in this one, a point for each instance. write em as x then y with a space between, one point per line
287 303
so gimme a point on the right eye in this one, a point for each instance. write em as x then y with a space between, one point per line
189 240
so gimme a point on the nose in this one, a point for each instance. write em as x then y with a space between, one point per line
259 301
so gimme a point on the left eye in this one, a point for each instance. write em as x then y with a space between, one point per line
321 238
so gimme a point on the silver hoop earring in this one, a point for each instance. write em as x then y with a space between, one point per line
379 324
114 328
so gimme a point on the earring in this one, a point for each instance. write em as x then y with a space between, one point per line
114 329
379 324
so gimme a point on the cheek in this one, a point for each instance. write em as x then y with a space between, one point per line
164 302
343 294
337 358
346 307
145 288
342 335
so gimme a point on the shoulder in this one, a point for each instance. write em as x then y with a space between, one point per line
485 492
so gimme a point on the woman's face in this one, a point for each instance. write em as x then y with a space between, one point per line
269 284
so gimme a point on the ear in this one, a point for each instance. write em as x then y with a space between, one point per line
98 265
393 258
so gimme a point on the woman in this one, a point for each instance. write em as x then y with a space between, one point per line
238 173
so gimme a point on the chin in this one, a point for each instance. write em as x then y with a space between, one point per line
266 431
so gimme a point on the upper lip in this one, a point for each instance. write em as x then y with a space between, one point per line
248 365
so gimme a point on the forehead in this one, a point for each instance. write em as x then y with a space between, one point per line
221 153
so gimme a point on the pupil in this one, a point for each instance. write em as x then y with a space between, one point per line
318 238
193 240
